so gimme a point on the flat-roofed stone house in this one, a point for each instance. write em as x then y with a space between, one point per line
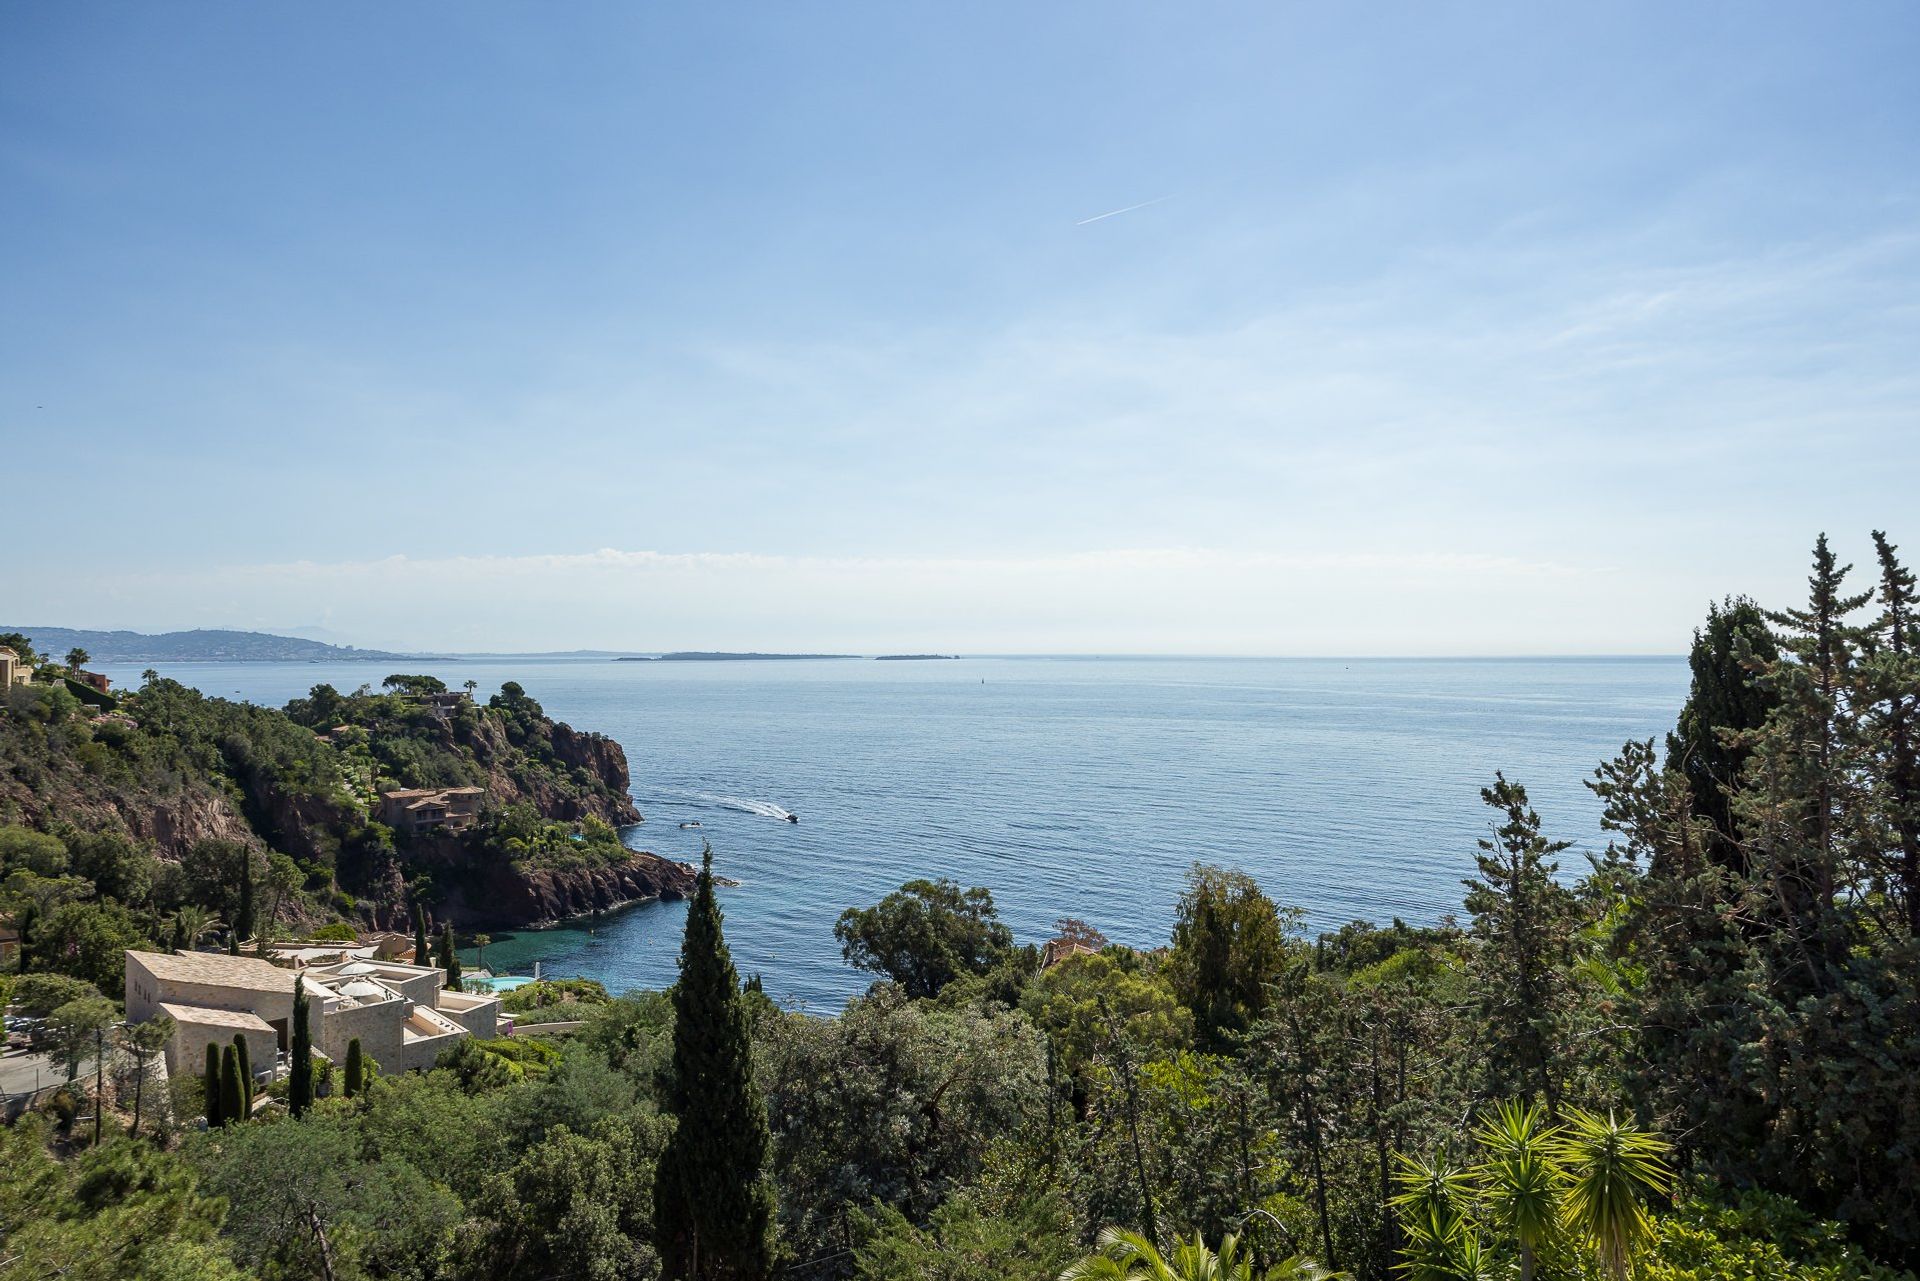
401 1014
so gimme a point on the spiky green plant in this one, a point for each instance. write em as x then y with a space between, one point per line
1610 1166
1123 1255
1519 1180
1433 1206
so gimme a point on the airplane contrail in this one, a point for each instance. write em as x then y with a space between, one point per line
1115 213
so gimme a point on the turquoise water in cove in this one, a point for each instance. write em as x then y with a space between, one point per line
1069 787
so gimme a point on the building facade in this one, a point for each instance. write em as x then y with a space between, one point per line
401 1014
419 809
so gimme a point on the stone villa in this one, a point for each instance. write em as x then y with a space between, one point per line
416 809
12 670
402 1014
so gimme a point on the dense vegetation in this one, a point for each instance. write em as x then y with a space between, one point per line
171 801
1697 1059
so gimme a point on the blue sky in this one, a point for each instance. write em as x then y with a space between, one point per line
1452 329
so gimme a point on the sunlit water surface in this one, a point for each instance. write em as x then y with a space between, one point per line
1069 787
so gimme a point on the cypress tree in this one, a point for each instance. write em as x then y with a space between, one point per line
419 935
1710 744
243 919
244 1058
356 1069
29 918
713 1202
233 942
300 1080
232 1104
212 1083
449 957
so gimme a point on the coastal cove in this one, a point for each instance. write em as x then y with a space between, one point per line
1069 787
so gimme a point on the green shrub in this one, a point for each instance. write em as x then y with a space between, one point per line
549 992
1755 1236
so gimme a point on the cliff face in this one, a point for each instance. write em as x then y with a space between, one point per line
63 773
606 760
181 769
177 823
500 895
597 767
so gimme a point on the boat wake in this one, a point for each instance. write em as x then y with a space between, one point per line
760 809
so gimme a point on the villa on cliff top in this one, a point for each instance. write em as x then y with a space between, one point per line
417 809
402 1014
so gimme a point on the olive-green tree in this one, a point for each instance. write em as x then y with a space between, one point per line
1229 945
925 935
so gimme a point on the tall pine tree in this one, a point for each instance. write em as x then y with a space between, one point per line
1891 699
1525 921
713 1201
1798 807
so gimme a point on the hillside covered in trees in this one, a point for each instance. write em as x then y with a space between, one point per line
201 645
196 792
1696 1057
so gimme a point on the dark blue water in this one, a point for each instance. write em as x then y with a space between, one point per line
1069 787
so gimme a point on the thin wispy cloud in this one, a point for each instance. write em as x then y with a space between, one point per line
1520 315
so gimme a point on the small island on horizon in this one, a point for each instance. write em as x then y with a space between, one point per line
714 656
911 658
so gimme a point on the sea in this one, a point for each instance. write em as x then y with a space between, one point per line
1069 787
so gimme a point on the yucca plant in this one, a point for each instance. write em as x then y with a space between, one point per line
1301 1267
1121 1255
1609 1167
1433 1202
1520 1180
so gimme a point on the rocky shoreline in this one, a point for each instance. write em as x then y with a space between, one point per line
505 897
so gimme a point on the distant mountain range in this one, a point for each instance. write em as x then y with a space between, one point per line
199 646
213 645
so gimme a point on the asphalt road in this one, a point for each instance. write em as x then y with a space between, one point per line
22 1073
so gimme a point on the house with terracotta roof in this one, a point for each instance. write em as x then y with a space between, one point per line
401 1014
1054 951
419 809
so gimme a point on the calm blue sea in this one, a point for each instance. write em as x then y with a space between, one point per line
1069 787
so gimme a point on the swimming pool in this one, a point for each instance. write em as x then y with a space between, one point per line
503 983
